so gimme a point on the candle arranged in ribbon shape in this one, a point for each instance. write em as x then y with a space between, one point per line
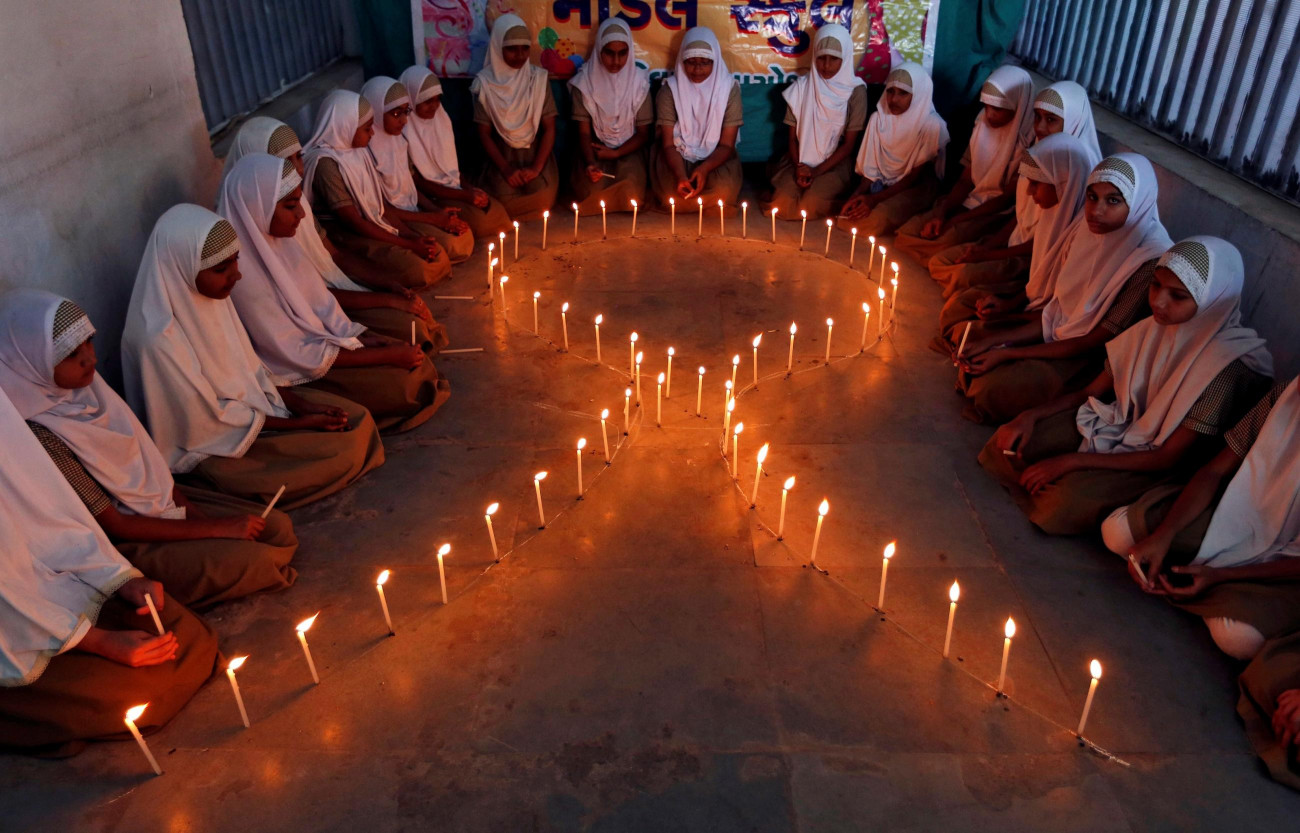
604 434
735 449
699 392
231 667
516 222
575 222
785 491
582 443
536 296
634 207
546 219
1095 669
383 601
744 220
302 628
803 227
953 593
564 323
822 510
492 536
758 473
659 402
132 715
789 359
442 571
773 225
604 228
668 386
884 574
853 243
599 318
541 512
830 224
830 328
1010 631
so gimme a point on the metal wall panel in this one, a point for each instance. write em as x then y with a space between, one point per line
246 52
1220 77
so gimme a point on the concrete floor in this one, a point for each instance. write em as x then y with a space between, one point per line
655 660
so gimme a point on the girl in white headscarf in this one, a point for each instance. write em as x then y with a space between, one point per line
431 143
296 326
1172 383
986 188
901 159
392 106
1097 291
826 109
368 294
1003 256
343 187
699 117
515 116
77 647
612 109
206 548
212 408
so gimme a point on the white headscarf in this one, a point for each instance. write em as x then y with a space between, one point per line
612 98
1097 266
58 565
93 421
514 98
821 107
1069 101
431 142
296 326
894 145
1161 370
392 159
261 134
995 152
337 121
188 367
1064 162
701 108
1258 517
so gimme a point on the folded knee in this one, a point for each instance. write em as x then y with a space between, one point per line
1236 639
1116 532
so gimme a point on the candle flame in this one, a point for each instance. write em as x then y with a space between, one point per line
735 359
639 354
773 212
504 278
757 339
701 370
824 507
890 549
789 483
830 322
829 222
740 426
443 550
671 201
604 413
236 663
731 405
699 200
881 293
495 261
627 392
894 281
762 454
871 238
133 713
803 214
502 235
744 203
854 231
727 384
492 508
383 578
893 264
491 247
633 337
1010 629
954 592
582 443
672 352
794 328
540 476
564 307
865 308
661 378
305 624
546 215
634 203
1095 668
575 206
599 319
536 295
516 224
602 203
882 249
719 203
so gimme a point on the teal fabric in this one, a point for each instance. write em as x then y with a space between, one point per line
387 42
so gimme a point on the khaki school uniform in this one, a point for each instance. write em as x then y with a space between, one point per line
828 190
725 181
909 237
528 202
630 175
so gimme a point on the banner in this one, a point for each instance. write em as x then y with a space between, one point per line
763 41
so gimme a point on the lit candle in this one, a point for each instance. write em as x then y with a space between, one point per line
744 220
132 715
504 280
537 485
1010 631
491 261
853 243
726 423
153 611
536 295
871 253
668 387
276 499
492 536
880 310
699 232
789 359
604 434
582 443
735 366
231 667
672 211
599 318
659 402
442 571
735 449
785 491
302 628
884 575
627 407
546 219
953 593
634 206
757 340
575 222
726 395
604 229
817 535
564 323
638 377
830 328
803 227
491 271
383 602
758 473
881 280
516 223
773 225
699 392
631 354
830 224
961 347
893 299
1095 668
502 237
866 316
722 228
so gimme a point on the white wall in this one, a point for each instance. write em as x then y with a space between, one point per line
100 132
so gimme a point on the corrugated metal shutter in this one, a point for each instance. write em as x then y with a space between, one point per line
248 51
1217 76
